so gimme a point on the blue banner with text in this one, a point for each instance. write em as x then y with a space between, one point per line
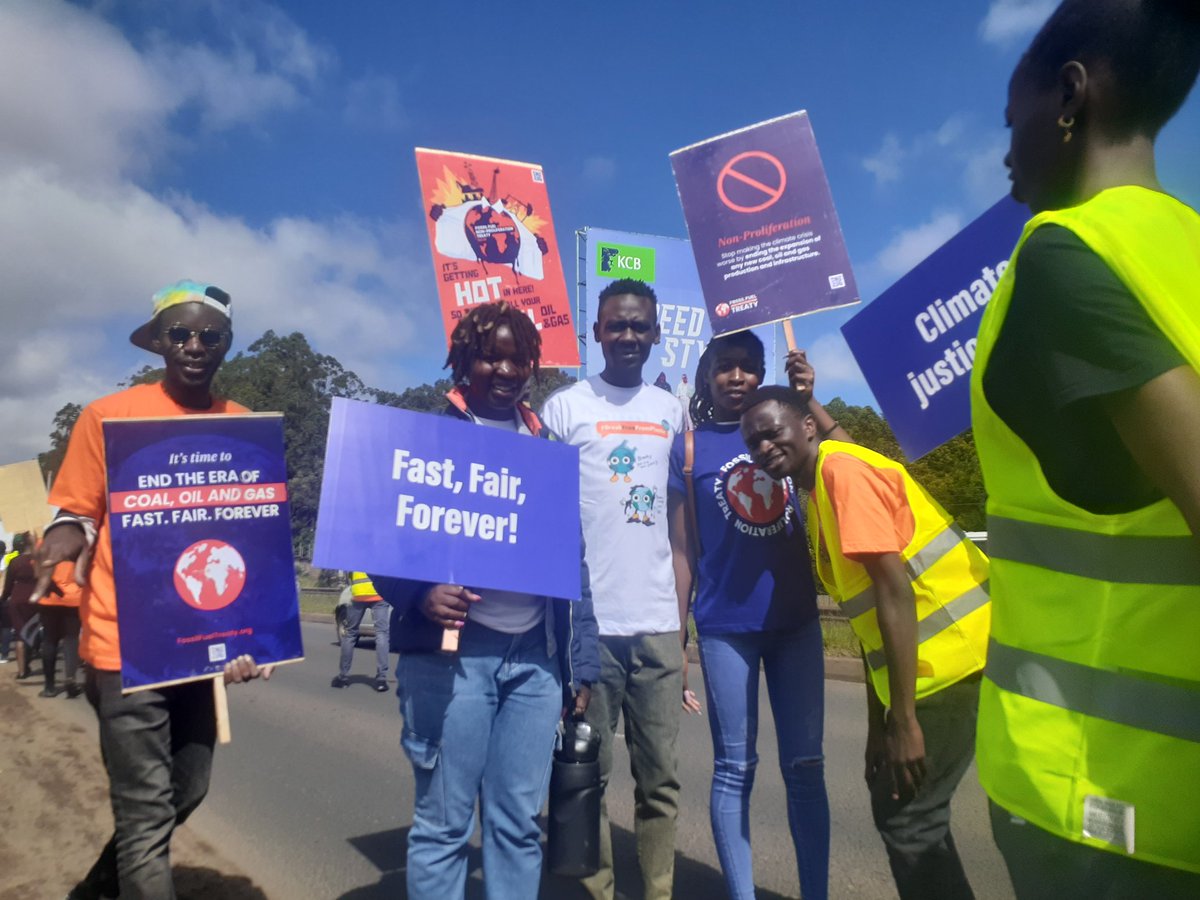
201 545
915 343
437 499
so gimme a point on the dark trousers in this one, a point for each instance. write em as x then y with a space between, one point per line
157 746
60 626
916 830
1044 866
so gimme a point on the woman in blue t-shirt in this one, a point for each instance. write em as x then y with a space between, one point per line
755 605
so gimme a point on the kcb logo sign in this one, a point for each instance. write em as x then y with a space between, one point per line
624 261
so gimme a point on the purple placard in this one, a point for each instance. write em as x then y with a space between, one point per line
433 498
764 231
202 545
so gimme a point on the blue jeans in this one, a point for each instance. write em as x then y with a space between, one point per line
480 723
794 664
380 612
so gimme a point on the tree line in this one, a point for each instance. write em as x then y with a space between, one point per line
282 373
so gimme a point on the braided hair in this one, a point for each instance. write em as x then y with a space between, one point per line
475 334
702 408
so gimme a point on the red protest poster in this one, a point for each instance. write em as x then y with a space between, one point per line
492 238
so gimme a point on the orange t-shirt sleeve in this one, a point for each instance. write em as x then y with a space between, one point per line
869 504
79 484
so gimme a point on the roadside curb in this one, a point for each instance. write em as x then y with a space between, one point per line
837 668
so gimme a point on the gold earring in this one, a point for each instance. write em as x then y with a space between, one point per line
1066 125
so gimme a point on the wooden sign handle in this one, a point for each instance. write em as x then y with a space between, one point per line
789 335
221 704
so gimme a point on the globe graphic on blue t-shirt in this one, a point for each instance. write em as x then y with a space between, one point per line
754 495
210 575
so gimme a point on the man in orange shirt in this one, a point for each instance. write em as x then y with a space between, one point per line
915 591
157 745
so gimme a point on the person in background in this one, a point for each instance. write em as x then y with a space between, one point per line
19 581
59 611
480 724
157 744
738 541
1086 412
363 597
915 591
5 630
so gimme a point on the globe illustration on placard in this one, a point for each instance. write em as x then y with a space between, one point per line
210 575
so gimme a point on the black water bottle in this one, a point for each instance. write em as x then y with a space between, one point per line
573 841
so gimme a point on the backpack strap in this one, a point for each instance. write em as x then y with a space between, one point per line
689 462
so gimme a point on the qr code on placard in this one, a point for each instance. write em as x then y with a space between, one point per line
837 281
216 653
536 174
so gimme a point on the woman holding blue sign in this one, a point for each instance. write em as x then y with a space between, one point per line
1086 409
737 537
480 724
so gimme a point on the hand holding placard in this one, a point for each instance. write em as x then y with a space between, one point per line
447 605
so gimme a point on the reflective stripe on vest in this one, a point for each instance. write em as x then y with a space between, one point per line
939 620
1121 697
937 547
1124 558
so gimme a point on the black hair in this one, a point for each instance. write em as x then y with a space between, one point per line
1150 47
778 393
627 286
22 541
475 333
702 408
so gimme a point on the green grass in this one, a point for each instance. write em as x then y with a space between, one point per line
840 639
317 601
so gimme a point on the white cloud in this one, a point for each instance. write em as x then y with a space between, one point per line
86 116
834 365
885 164
1009 20
984 173
912 245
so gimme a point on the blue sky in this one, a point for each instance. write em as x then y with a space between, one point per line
267 147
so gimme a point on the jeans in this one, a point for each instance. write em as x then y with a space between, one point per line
1044 866
480 723
157 746
355 612
794 664
642 676
916 830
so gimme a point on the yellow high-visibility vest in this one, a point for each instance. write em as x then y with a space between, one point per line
361 589
1089 715
949 577
9 557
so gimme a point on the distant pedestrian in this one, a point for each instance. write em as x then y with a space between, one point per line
59 612
19 581
364 597
916 592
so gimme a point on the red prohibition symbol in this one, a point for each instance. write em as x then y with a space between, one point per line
771 194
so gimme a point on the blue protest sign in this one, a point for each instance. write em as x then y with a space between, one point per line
437 499
202 545
915 343
764 231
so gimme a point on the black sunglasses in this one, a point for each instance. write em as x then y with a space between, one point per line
209 337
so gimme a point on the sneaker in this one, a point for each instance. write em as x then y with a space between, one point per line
73 691
48 692
339 681
381 685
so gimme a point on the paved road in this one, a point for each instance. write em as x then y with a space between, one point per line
313 798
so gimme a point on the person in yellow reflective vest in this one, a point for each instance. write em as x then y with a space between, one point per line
915 591
363 597
1086 409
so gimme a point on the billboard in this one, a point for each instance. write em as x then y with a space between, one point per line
492 238
202 545
764 231
915 343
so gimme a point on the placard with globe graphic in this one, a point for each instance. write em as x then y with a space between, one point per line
202 548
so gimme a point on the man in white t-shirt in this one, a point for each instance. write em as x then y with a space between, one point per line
624 429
